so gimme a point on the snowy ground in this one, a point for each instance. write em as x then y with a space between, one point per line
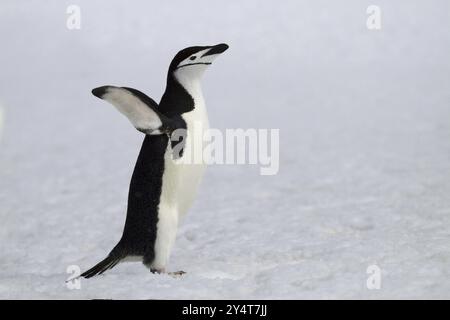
365 148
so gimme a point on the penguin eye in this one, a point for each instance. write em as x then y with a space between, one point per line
193 58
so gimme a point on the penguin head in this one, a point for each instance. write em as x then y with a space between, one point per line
193 61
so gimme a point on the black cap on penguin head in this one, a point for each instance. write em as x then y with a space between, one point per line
197 55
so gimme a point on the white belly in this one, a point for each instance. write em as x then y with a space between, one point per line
181 179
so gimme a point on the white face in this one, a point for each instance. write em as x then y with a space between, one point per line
195 65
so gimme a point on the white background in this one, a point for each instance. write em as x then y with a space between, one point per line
365 148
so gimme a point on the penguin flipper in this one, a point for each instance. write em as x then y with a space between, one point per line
140 109
108 263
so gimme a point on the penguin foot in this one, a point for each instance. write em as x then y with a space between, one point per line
176 274
158 271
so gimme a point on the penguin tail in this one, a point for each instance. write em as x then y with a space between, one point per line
108 263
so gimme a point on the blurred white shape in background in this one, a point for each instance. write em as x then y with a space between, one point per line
374 18
74 17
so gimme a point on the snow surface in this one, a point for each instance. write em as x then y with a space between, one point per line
364 120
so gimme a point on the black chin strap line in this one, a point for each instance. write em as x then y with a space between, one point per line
191 64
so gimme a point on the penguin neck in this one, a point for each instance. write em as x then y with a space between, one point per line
183 94
192 85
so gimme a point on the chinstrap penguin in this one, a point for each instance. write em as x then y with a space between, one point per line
161 189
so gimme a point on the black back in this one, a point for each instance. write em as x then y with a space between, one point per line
143 198
175 100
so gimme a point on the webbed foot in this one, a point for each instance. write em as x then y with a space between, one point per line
176 274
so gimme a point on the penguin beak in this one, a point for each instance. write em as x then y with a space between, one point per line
217 49
100 91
